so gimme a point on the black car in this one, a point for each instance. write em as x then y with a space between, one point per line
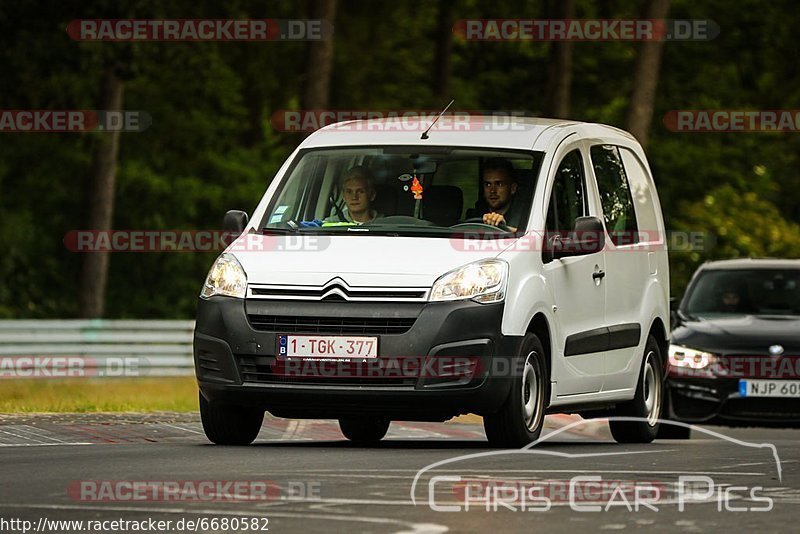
734 357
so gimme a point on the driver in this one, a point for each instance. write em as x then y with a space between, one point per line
731 301
499 185
358 191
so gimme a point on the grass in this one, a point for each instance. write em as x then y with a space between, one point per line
86 395
178 394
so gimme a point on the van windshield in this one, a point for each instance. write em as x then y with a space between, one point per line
395 190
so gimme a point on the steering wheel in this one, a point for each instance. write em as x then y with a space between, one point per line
478 221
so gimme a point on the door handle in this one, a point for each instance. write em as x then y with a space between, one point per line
597 275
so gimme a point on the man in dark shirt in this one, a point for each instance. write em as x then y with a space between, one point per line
499 187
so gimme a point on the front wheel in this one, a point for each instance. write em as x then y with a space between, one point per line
519 421
646 404
230 425
364 431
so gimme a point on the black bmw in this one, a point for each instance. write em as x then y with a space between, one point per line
734 357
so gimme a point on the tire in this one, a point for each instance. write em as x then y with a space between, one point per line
647 404
519 420
364 431
230 425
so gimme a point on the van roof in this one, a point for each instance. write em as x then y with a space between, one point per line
496 131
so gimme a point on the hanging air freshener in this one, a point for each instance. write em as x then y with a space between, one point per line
416 188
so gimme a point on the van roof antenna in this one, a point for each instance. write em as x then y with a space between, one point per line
439 116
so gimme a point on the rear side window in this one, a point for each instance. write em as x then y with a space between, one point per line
642 191
568 199
615 194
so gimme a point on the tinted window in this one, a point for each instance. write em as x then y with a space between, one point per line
568 199
615 194
643 198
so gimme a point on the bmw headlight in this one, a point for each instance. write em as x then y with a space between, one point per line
690 358
226 277
482 281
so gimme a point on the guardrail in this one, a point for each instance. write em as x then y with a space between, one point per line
95 348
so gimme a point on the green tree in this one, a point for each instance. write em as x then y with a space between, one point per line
733 224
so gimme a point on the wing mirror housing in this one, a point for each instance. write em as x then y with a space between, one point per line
235 222
587 237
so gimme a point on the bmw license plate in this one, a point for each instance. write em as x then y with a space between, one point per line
769 388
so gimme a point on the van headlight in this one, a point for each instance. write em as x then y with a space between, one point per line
482 281
226 277
691 358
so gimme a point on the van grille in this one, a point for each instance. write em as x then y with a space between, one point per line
330 325
336 291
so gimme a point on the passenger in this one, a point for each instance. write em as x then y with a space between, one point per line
358 191
499 187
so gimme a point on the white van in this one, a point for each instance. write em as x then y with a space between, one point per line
510 271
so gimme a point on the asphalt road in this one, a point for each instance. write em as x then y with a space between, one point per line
83 468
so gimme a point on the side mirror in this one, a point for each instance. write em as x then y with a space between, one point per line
234 222
588 237
674 314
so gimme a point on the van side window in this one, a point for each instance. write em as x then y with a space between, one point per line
642 191
615 195
568 199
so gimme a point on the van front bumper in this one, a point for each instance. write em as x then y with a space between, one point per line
450 358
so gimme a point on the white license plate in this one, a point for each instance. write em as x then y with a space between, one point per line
769 388
327 346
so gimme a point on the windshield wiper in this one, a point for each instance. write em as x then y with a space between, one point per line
386 229
278 231
422 227
447 230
